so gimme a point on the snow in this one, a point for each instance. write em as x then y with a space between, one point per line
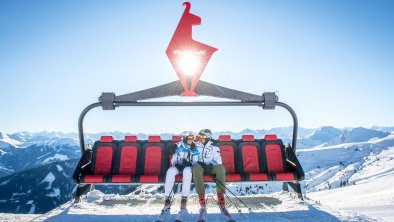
55 193
48 178
56 157
286 209
373 192
59 168
327 167
32 209
5 169
94 196
6 141
17 217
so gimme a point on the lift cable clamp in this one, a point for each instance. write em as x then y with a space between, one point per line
270 99
107 101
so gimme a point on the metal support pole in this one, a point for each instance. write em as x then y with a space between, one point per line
80 125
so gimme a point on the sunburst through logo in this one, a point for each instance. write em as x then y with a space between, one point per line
188 57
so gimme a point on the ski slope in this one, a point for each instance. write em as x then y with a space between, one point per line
373 192
279 206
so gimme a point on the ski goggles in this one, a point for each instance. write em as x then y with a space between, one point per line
202 136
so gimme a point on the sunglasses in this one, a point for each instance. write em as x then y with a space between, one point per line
190 138
201 136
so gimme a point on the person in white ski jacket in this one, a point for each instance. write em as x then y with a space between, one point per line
208 162
181 163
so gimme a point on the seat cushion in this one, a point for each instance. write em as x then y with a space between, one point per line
233 177
257 177
121 179
93 179
149 179
283 176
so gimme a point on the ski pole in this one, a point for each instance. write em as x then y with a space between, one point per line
173 186
232 193
216 181
172 189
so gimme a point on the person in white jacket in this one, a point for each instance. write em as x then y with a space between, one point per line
181 163
208 162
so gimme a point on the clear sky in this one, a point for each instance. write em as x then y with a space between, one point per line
331 60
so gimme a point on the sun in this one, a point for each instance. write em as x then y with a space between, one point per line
189 64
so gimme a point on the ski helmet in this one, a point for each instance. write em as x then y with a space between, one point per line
186 135
205 134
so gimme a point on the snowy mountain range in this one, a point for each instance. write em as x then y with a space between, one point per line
36 168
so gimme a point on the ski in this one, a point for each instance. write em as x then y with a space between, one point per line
181 215
203 215
226 214
163 214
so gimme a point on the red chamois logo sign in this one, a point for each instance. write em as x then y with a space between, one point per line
188 57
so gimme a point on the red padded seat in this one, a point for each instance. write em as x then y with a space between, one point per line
284 176
176 138
101 162
153 161
93 179
250 158
274 159
233 177
126 161
229 159
208 178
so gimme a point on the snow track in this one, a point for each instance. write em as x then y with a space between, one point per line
273 207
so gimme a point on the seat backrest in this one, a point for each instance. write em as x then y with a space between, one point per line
227 152
273 152
153 161
103 156
127 157
250 153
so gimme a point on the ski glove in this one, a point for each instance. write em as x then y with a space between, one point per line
208 169
202 164
186 163
179 167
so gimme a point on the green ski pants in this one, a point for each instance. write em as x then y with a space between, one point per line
218 172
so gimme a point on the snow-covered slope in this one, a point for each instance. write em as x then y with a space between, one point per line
372 192
37 190
330 136
6 141
274 207
335 166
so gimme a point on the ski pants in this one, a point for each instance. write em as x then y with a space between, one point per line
172 173
218 172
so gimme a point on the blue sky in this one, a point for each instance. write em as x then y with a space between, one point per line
332 61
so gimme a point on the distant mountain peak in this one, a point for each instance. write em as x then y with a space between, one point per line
3 136
6 141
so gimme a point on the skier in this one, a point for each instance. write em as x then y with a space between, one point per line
209 162
181 163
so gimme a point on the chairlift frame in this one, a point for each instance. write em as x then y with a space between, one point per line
267 101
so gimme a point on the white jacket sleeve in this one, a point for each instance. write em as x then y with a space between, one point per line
217 158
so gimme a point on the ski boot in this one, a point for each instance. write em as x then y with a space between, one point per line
223 209
165 211
183 211
203 210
